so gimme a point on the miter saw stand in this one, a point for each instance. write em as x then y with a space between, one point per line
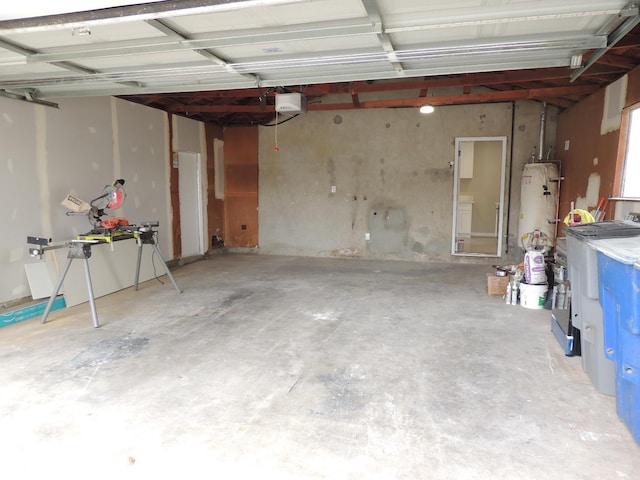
80 248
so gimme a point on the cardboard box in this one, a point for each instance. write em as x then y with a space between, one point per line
497 285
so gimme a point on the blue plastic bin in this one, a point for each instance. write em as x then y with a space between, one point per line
635 318
586 313
619 289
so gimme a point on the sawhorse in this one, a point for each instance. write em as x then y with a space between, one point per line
81 249
145 237
77 249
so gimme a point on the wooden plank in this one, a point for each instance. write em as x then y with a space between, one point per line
242 221
241 145
241 186
174 193
215 206
241 179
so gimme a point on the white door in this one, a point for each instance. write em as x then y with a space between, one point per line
190 193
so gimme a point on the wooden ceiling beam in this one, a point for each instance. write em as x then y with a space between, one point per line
460 99
188 109
475 79
467 80
617 61
630 40
559 102
239 93
470 98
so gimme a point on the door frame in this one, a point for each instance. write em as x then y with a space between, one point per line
456 188
199 201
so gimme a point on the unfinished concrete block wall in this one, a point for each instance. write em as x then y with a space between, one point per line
383 174
81 147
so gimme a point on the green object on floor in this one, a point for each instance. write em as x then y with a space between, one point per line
29 311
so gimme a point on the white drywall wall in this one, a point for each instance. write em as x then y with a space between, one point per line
20 203
47 153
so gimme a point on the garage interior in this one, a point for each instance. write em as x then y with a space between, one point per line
332 318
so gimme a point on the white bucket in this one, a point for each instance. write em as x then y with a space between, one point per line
533 296
534 268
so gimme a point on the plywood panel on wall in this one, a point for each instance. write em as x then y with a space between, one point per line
633 88
215 206
242 223
174 194
241 179
585 153
241 145
241 186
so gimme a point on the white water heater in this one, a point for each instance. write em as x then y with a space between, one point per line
538 201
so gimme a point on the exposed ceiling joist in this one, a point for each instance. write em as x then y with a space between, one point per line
440 100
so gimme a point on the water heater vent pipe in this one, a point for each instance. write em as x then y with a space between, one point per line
543 124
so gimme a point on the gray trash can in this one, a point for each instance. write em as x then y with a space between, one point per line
582 260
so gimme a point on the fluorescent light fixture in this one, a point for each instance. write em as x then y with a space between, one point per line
426 109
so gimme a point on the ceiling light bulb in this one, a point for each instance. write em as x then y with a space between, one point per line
427 109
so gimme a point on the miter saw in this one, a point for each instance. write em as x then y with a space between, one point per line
112 198
105 230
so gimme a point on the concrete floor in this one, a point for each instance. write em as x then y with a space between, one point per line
282 368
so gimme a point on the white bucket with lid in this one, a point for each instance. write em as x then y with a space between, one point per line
533 296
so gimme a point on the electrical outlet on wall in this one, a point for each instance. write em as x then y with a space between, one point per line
367 236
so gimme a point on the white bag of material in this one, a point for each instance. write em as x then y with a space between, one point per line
534 268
